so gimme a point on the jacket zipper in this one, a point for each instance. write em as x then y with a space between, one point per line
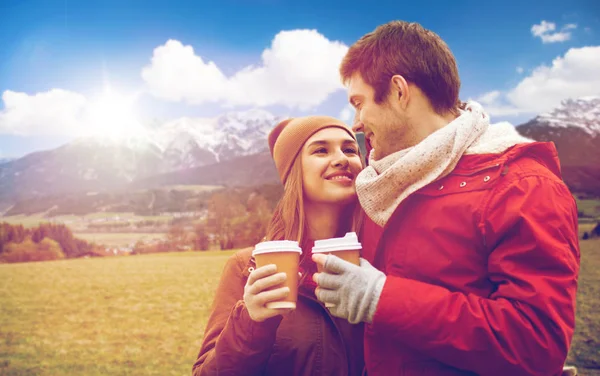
341 337
314 299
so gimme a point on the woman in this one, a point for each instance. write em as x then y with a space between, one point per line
317 159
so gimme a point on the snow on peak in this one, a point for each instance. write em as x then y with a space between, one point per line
184 142
251 116
230 135
581 112
139 141
249 127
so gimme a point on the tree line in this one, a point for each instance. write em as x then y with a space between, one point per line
47 241
234 220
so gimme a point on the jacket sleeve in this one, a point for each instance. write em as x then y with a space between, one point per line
233 343
525 326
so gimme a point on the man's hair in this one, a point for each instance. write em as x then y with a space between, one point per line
409 50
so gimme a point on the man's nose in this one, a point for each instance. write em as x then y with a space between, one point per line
357 125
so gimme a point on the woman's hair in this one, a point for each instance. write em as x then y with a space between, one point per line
289 219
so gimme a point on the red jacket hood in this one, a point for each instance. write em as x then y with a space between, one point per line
543 152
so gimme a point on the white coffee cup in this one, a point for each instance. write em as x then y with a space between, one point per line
285 254
347 248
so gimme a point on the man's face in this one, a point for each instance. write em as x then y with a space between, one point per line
385 125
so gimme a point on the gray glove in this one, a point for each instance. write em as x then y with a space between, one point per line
354 290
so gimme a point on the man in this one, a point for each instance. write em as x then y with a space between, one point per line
472 228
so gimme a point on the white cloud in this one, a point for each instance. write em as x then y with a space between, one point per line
177 74
543 28
66 113
489 97
520 70
556 37
496 109
347 114
299 69
546 32
576 74
49 113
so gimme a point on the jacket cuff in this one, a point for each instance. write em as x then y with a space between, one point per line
402 306
376 296
257 332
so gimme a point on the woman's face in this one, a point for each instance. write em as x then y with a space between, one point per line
330 163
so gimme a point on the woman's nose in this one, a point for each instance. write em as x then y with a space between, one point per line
340 161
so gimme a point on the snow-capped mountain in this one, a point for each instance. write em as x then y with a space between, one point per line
188 143
200 151
104 163
583 113
574 127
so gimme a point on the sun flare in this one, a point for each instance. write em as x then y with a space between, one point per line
112 115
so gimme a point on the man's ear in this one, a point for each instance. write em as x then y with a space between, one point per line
400 90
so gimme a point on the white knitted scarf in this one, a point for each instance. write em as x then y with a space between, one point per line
385 183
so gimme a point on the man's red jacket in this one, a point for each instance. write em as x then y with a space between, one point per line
482 270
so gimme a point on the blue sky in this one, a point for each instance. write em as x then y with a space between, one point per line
59 57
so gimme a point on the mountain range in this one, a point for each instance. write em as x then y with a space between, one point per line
574 127
97 164
232 150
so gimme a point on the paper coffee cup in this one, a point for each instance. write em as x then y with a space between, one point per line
285 254
347 248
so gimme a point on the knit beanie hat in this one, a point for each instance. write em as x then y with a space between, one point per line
288 137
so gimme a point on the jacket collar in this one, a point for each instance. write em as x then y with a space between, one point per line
544 152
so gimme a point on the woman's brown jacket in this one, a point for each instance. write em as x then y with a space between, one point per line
308 341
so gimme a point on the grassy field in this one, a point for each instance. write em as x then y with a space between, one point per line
144 315
116 239
135 315
585 351
589 207
194 188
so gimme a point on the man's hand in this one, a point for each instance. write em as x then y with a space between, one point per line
354 290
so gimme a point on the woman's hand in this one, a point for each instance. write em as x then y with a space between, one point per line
256 296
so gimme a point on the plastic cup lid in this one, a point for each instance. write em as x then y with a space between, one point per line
347 243
276 246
